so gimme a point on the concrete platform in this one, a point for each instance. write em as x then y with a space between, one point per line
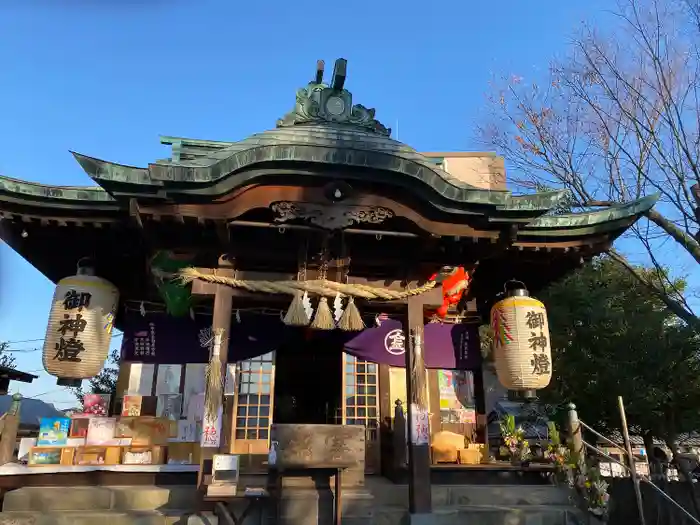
94 518
95 499
379 502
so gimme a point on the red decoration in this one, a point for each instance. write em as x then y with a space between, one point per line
454 282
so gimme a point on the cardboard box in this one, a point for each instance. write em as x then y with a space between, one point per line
151 455
474 454
93 456
184 453
46 456
68 456
101 432
147 431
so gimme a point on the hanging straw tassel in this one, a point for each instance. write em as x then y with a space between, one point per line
323 320
351 320
296 315
214 379
418 370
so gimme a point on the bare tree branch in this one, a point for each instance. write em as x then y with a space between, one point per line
619 119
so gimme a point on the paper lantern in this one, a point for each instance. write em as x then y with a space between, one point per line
522 352
80 327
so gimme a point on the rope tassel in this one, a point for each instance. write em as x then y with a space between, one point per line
214 378
323 320
296 315
351 320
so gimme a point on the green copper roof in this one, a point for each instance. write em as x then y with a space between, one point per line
325 136
325 129
34 190
612 218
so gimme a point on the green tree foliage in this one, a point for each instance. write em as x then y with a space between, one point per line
612 336
6 359
106 381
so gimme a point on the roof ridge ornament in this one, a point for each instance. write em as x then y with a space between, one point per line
321 103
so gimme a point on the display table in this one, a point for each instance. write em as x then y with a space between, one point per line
13 476
15 469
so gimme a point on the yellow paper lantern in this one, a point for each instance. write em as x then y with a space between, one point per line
522 351
80 327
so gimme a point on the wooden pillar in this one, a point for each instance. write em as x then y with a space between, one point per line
419 495
221 320
4 386
223 306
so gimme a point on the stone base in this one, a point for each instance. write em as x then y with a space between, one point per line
379 503
422 519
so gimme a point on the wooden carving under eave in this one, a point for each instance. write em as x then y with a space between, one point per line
330 217
326 446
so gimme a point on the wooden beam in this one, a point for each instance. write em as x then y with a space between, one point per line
135 213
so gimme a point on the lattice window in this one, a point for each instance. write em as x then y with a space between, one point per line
254 406
361 395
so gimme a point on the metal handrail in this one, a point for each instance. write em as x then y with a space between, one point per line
658 489
598 434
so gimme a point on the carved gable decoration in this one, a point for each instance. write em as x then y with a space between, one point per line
319 102
330 216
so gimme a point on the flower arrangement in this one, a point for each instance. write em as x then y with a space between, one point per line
577 474
594 490
515 444
559 455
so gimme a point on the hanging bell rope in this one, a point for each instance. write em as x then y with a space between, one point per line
320 287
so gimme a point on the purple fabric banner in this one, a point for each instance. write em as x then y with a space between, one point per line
161 339
447 346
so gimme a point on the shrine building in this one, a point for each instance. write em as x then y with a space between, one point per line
326 195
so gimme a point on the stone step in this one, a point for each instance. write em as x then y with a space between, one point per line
120 499
451 495
172 517
487 515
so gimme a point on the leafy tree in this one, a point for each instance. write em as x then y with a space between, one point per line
106 381
6 359
613 337
616 120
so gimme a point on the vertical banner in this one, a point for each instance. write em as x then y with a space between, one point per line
211 430
420 425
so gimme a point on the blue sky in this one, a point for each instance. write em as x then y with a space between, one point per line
107 78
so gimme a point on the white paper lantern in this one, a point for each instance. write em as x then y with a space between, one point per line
522 351
80 327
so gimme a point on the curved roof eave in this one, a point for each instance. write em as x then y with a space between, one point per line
586 219
159 175
34 191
